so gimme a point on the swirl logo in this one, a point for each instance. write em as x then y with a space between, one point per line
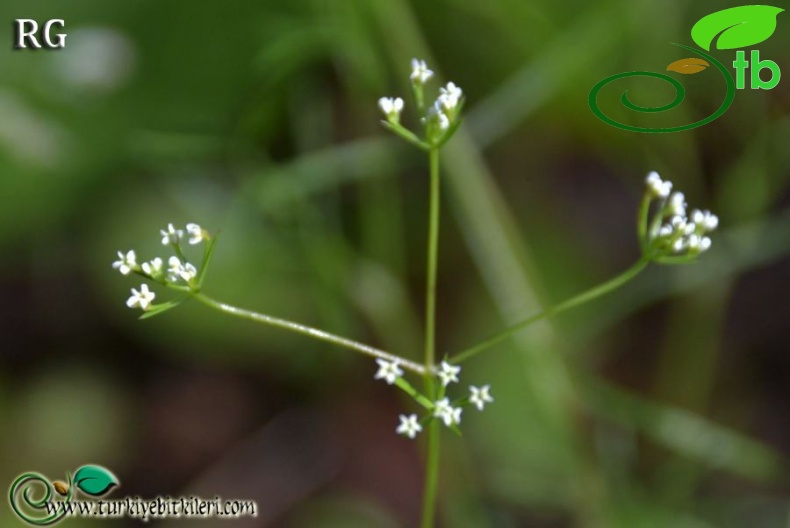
38 501
733 28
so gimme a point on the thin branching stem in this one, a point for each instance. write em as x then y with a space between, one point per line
589 295
433 251
431 474
309 331
432 461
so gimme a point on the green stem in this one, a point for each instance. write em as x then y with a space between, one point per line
573 302
433 249
431 475
434 432
644 217
309 331
406 134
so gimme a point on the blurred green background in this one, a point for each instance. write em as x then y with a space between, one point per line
663 405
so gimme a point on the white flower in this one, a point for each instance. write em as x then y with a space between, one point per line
448 373
195 233
436 118
480 396
177 270
420 72
680 224
708 221
125 263
680 235
452 91
677 204
391 107
658 187
189 272
141 299
409 426
444 122
153 268
171 235
447 413
389 371
449 97
693 242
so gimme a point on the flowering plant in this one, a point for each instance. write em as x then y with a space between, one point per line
668 234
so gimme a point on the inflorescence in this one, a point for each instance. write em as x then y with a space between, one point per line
669 234
438 120
674 235
179 274
440 408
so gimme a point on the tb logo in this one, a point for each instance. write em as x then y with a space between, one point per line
27 34
757 65
729 29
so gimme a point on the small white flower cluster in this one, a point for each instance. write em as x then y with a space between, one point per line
439 116
179 270
449 100
675 232
420 74
657 187
171 235
442 409
392 107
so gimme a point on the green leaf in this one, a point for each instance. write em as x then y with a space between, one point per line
738 27
211 245
94 480
157 309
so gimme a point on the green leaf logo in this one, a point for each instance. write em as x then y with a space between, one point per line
738 27
94 480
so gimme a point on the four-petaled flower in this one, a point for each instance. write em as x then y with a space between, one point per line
389 371
420 72
171 235
153 268
125 263
409 426
177 270
447 413
448 373
449 97
480 396
436 122
195 233
677 204
705 218
392 107
141 299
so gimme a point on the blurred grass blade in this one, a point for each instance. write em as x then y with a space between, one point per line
685 432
